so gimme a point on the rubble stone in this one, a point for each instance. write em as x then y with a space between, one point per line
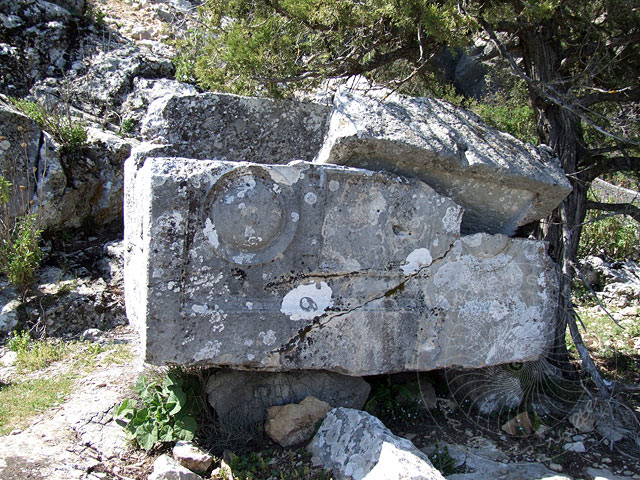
356 445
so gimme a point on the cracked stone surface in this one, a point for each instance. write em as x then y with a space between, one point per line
322 267
501 182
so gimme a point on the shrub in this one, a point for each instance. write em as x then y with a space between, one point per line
616 237
70 134
165 414
20 253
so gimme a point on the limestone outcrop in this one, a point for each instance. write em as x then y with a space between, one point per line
501 182
322 267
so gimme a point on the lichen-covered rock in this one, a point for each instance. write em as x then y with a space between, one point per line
501 182
166 468
321 267
231 127
355 445
87 185
245 396
19 144
35 38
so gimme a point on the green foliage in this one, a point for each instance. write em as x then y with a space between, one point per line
20 253
165 414
71 134
442 460
258 47
393 401
21 401
509 115
35 354
616 236
126 127
94 15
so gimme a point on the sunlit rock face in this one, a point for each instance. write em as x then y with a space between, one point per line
306 266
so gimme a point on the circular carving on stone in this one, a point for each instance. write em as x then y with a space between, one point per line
251 214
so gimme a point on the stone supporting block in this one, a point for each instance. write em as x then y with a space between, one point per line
501 182
322 267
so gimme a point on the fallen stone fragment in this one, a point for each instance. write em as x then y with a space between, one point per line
192 457
166 468
231 127
355 445
519 426
322 267
577 447
247 395
294 423
501 182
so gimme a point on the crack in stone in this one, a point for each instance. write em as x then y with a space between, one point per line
318 323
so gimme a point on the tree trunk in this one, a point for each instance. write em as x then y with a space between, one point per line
561 130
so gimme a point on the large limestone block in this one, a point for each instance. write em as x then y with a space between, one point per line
322 267
355 445
501 182
231 127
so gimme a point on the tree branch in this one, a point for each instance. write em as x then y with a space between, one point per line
604 165
617 208
629 94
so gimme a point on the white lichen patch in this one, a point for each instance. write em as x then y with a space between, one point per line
209 351
294 217
243 258
419 258
268 337
334 185
451 219
306 302
311 198
210 233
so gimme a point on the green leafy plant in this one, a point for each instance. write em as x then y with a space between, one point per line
164 414
126 127
35 354
442 460
20 253
94 15
19 341
71 134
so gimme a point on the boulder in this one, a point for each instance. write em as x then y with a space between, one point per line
90 185
19 144
231 127
355 445
295 423
501 182
247 395
322 267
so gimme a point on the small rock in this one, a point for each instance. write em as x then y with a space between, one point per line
295 423
519 425
92 335
166 468
555 467
9 359
583 417
577 447
192 457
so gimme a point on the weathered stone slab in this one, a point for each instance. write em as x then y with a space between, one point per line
355 445
501 182
322 267
231 127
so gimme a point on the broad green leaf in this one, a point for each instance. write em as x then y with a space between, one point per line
147 436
